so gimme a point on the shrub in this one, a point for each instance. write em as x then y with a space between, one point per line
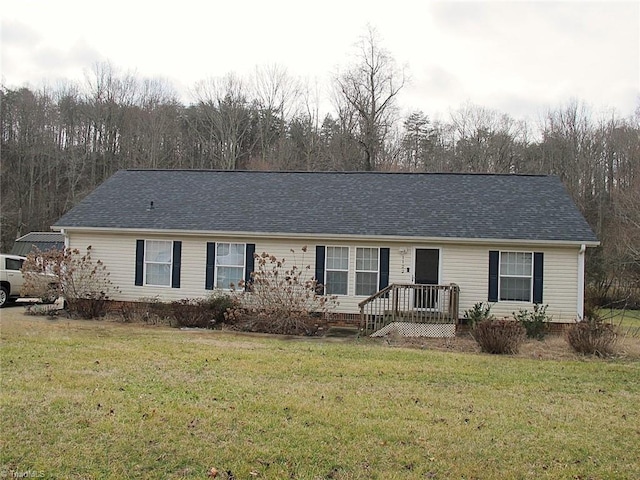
218 304
499 336
88 308
251 320
592 336
613 293
201 312
148 310
479 312
536 323
188 312
282 299
39 279
83 282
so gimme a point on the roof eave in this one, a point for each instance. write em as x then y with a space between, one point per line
327 236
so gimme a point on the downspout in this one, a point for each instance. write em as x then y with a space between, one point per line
580 303
66 238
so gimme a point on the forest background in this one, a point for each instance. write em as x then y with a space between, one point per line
59 142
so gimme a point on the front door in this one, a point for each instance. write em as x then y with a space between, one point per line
426 273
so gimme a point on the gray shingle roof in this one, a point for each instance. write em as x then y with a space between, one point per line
43 241
473 206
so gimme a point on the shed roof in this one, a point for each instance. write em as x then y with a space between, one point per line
426 205
43 241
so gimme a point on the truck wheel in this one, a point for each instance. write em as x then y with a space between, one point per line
4 297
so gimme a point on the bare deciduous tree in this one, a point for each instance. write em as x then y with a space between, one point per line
278 102
225 124
368 91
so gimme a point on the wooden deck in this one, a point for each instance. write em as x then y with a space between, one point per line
410 303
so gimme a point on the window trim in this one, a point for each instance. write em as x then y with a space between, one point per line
145 262
530 276
216 265
356 271
327 269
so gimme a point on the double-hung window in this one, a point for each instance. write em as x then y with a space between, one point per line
367 270
158 260
337 271
516 276
230 259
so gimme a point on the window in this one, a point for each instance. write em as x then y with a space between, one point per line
516 276
337 271
366 271
14 263
230 259
371 270
158 262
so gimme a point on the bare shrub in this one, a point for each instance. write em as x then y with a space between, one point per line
499 336
282 299
188 312
613 293
592 336
201 312
83 282
252 320
149 310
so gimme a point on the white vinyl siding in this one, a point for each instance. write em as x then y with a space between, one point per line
337 271
230 259
463 264
468 267
158 262
367 270
516 276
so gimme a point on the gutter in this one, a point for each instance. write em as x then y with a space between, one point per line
325 237
66 237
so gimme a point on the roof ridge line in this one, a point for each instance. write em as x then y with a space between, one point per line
341 172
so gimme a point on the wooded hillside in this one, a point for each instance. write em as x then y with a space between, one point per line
60 142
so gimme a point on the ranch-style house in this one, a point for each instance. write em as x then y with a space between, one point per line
389 246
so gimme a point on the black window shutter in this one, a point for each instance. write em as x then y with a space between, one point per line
211 263
139 262
494 260
177 258
249 264
538 269
384 268
320 251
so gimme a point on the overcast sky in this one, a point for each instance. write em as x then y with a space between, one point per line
516 57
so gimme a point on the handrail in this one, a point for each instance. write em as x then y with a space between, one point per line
379 293
408 302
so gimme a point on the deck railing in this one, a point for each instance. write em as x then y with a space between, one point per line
437 304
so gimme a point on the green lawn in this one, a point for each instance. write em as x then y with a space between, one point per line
93 400
625 319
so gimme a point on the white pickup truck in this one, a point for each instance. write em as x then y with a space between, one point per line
11 279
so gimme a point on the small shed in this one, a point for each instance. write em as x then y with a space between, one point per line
43 241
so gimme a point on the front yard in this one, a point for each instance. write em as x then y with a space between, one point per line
100 399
